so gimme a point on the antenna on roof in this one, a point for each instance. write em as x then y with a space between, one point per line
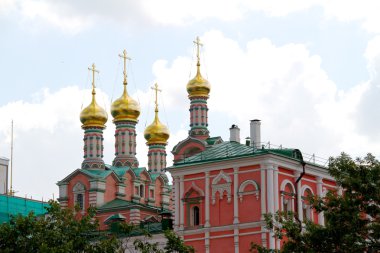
11 189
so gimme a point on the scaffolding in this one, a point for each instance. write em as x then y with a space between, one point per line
12 206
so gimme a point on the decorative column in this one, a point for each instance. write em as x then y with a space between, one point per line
263 205
181 204
276 197
176 203
93 118
63 194
236 210
198 89
321 220
270 201
96 192
236 204
207 199
125 112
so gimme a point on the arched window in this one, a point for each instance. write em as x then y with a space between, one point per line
79 200
141 190
306 208
192 200
195 216
287 196
79 197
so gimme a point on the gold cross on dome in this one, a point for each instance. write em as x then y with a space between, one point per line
125 58
199 44
156 89
93 69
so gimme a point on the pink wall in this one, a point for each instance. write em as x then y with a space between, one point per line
82 179
157 192
128 186
111 189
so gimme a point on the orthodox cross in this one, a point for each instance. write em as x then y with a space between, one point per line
125 58
156 89
93 69
198 43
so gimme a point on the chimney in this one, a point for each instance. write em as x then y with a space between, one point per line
248 141
235 133
255 133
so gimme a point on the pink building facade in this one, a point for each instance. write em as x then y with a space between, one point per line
123 191
222 189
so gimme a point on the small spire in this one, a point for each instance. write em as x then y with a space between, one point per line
156 89
93 69
199 44
125 58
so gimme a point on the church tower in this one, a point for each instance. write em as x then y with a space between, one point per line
93 118
156 135
199 139
198 89
125 112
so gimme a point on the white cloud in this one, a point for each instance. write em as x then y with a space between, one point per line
47 138
57 15
284 86
74 16
366 12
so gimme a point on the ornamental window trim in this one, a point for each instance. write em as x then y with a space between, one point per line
221 188
80 189
242 192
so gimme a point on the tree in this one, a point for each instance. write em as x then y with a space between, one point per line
352 219
67 230
60 230
174 244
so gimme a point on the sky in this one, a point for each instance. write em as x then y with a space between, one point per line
308 69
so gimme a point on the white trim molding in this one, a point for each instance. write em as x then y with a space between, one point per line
221 188
242 191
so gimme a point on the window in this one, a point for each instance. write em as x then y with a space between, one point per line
287 196
137 190
195 216
79 195
141 190
79 200
152 194
306 208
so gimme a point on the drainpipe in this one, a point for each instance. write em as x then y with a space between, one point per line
298 154
296 188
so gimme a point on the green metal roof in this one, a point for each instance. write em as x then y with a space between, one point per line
116 203
138 171
115 217
125 204
97 173
211 141
230 150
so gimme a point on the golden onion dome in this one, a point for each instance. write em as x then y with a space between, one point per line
125 108
198 86
93 115
156 133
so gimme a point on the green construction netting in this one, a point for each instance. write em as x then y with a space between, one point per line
11 206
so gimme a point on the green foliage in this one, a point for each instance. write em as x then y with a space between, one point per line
174 244
352 220
60 230
67 230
